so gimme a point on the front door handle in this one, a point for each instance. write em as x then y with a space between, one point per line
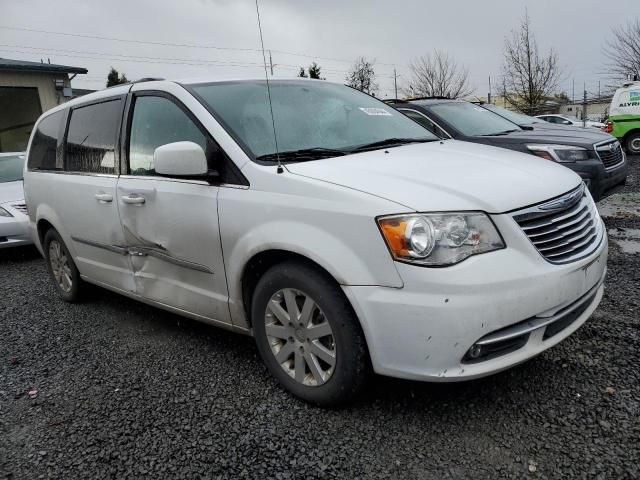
104 197
133 199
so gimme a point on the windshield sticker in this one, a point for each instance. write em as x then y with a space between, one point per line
375 111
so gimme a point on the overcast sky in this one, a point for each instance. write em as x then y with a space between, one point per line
332 32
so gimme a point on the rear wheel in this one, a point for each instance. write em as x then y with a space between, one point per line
308 335
61 267
633 143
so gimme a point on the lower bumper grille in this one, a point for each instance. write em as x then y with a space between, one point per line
509 339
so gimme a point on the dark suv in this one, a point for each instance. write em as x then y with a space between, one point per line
597 157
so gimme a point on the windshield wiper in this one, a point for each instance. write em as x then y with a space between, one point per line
505 132
302 155
390 142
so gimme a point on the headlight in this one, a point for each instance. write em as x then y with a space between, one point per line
4 213
439 239
560 153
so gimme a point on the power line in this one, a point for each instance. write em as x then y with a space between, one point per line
182 45
114 39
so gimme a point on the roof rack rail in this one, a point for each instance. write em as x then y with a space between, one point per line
148 79
394 100
432 97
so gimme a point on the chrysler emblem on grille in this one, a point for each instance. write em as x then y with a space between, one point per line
564 201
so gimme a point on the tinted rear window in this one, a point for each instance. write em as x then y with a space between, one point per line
91 140
42 155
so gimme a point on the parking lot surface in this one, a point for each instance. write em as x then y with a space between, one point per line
112 388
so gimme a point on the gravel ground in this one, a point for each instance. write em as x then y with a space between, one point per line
112 388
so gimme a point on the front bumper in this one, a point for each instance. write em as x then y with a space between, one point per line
14 231
600 180
424 330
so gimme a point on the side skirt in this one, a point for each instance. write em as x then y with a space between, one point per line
169 308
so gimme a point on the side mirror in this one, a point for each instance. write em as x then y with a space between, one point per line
180 159
566 122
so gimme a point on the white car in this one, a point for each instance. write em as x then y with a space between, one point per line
14 222
351 241
573 121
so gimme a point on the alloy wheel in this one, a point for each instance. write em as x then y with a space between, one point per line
300 337
60 266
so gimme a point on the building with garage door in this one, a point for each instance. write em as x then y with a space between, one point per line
28 89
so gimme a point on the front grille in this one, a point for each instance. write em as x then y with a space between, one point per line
611 154
565 229
21 207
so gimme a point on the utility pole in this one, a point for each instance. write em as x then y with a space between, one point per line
395 82
573 91
598 90
271 63
584 106
489 96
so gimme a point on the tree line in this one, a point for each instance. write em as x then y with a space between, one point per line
529 76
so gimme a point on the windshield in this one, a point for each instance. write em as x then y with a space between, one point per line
307 115
11 167
515 117
472 120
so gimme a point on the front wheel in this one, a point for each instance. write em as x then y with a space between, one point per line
308 335
633 143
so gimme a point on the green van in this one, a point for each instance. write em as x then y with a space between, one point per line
624 117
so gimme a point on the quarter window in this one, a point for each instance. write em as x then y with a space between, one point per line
92 137
42 154
156 122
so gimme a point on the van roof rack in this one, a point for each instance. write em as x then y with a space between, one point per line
148 79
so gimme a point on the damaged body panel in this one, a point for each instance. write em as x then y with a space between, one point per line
175 256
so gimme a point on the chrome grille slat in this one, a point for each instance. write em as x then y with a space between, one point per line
551 219
564 229
572 219
567 241
587 223
573 248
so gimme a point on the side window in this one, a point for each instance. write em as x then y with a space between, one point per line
156 122
92 136
42 155
426 123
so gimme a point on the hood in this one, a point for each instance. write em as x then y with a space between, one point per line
578 136
447 175
11 192
554 126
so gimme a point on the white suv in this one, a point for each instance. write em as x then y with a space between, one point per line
351 241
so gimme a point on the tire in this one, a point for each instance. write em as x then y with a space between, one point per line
633 143
305 348
62 269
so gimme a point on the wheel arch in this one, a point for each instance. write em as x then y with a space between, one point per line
625 138
262 261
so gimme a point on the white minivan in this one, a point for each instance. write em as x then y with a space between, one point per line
343 236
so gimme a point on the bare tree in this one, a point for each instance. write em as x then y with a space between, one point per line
530 77
362 76
438 75
623 51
